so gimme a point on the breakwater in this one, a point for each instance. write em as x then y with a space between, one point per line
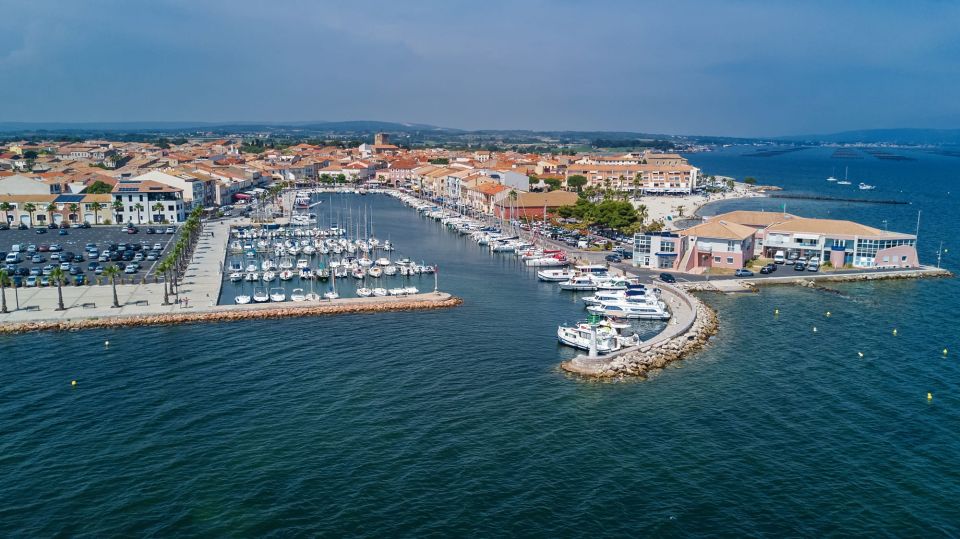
438 300
693 325
837 199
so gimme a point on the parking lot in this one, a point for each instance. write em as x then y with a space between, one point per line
90 250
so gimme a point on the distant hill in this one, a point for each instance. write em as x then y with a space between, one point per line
349 126
892 136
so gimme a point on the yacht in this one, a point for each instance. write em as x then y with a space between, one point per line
358 273
364 292
580 282
632 308
866 187
303 263
635 294
236 277
380 292
556 276
260 295
546 262
252 277
375 271
311 296
278 294
383 261
305 273
269 276
298 295
579 336
390 271
242 299
331 294
286 275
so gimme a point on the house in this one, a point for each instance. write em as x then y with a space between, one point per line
147 201
713 244
192 187
532 205
842 243
645 178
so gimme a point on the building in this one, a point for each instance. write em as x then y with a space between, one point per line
193 187
643 178
842 243
532 205
147 201
380 139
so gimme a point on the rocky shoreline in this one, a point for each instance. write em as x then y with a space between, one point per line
230 315
648 357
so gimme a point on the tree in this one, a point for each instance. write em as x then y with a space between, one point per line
58 276
30 208
163 267
139 207
553 183
730 184
98 188
3 291
576 182
97 206
642 212
750 180
6 208
112 272
51 207
117 208
158 207
341 178
636 184
75 210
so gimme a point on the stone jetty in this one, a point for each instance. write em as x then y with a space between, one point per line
230 313
692 325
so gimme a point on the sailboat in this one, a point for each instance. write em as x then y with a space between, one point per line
831 178
844 181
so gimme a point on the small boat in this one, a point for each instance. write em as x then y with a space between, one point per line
375 271
309 250
331 294
365 262
382 261
390 271
298 295
580 282
364 292
866 187
242 299
278 294
252 277
556 276
843 182
305 273
632 308
286 275
831 179
260 295
236 266
311 296
358 273
251 268
380 292
323 274
269 276
303 263
397 291
579 336
410 290
236 276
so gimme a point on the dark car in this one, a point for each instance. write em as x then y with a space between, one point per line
53 226
93 266
149 230
41 231
23 271
769 268
63 232
799 266
613 258
628 255
79 279
132 230
115 256
64 225
22 226
77 258
743 272
127 256
4 226
85 225
120 265
667 278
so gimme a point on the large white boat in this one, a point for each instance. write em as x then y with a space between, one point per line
269 276
636 294
241 299
608 338
364 292
546 262
556 276
278 294
298 295
236 277
584 283
375 271
380 292
260 295
286 275
632 308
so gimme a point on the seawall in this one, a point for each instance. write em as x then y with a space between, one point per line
230 313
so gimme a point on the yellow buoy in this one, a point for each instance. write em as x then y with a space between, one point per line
860 354
73 382
929 396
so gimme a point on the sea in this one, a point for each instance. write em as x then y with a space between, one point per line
791 422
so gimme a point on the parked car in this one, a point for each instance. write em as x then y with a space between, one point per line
44 280
132 268
32 281
149 230
93 266
769 268
37 259
4 226
43 248
799 266
22 226
743 272
171 230
41 231
132 230
613 257
157 247
667 278
53 226
79 279
62 232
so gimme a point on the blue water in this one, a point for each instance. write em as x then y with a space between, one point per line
458 422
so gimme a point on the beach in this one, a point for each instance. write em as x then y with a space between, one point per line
669 208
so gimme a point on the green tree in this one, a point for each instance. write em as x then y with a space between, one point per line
139 207
112 272
163 267
158 207
576 182
4 278
553 183
30 208
57 275
75 210
51 207
6 208
97 206
117 208
98 188
750 180
730 184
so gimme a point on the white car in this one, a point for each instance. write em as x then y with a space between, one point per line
171 230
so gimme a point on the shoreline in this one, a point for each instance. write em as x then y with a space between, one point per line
231 313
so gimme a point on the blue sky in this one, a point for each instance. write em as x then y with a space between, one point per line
750 68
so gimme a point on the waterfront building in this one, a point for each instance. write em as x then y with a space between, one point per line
641 178
842 243
137 201
532 205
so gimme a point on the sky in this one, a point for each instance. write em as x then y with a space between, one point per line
735 68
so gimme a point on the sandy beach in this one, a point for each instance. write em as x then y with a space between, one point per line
677 207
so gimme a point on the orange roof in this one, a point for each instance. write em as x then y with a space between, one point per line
753 218
717 228
491 188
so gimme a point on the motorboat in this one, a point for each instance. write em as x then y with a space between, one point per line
251 268
410 290
323 274
380 292
269 276
303 263
397 291
556 276
331 294
235 266
285 263
305 273
375 271
614 295
608 334
286 275
311 296
866 187
365 262
580 283
364 292
297 295
260 295
632 308
252 277
390 271
241 299
546 262
383 262
236 277
278 294
358 273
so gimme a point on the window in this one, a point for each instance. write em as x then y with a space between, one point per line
729 260
903 258
668 247
642 244
170 208
716 259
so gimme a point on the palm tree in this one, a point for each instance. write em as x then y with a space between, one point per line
642 213
636 184
139 207
30 208
158 207
6 208
117 208
112 272
58 276
163 267
97 206
3 291
51 207
75 210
